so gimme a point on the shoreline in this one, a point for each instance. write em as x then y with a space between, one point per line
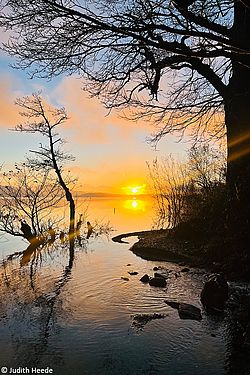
140 234
161 245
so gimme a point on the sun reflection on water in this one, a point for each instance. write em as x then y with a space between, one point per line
134 204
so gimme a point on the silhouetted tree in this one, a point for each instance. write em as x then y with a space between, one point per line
45 120
30 195
125 49
191 191
207 166
171 184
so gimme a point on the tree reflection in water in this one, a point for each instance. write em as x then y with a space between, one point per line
30 298
35 307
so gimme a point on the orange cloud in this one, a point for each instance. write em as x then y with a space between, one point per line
88 117
111 177
9 112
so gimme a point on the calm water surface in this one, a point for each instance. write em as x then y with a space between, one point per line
74 312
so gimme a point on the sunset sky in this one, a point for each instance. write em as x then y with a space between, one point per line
111 153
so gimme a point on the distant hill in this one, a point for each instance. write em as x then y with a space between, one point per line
108 195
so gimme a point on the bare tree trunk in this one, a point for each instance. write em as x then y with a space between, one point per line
71 201
238 162
237 118
68 193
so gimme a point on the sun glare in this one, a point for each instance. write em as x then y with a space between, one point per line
134 189
134 204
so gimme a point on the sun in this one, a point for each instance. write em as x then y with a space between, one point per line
135 189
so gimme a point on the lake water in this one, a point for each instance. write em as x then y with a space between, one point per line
73 312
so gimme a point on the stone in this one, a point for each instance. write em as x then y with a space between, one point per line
157 274
215 292
173 304
156 268
158 281
145 278
163 273
125 278
187 311
132 273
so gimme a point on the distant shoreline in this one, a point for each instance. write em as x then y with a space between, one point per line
111 195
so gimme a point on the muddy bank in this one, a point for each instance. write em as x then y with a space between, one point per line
140 234
158 245
216 255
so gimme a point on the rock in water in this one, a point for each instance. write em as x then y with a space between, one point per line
163 275
145 278
187 311
158 281
215 292
132 273
173 304
125 278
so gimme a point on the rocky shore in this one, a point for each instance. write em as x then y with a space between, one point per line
158 245
162 245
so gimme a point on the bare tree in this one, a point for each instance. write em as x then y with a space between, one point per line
126 48
206 165
189 190
45 120
171 184
30 195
